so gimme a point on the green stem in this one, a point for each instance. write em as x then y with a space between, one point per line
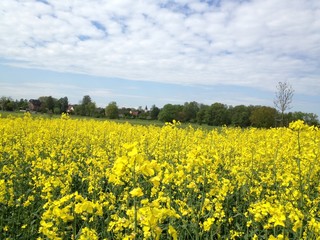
300 180
134 199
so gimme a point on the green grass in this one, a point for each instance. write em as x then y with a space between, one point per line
5 114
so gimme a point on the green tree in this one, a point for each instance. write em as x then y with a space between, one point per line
50 103
217 115
56 110
90 109
170 112
79 110
309 118
100 112
112 110
240 115
43 106
7 104
63 104
154 112
3 102
47 104
264 117
86 100
87 107
22 104
201 114
190 111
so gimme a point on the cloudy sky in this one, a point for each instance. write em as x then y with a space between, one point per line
148 52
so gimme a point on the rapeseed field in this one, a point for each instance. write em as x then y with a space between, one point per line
85 179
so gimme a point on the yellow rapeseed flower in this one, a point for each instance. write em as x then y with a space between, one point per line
173 232
136 192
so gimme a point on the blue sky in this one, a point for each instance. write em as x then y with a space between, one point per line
140 53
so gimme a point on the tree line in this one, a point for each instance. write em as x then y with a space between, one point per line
216 114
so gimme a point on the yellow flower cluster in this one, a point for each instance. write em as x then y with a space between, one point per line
84 179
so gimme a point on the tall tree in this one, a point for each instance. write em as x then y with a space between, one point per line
112 110
50 103
154 112
86 100
90 109
283 98
87 106
63 104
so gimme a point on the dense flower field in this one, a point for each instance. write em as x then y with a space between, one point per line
86 179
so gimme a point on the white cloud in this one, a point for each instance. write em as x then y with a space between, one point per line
254 43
